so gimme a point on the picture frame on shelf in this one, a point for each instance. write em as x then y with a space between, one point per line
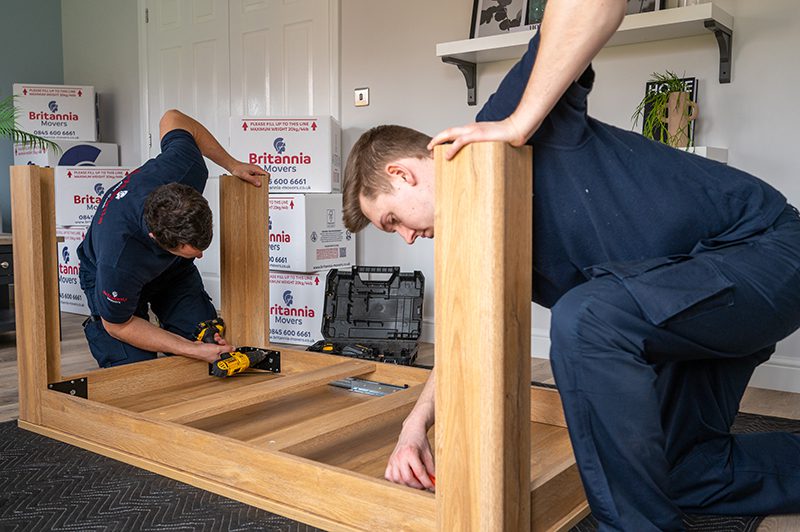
642 6
535 13
497 17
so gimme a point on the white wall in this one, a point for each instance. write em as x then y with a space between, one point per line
390 47
100 43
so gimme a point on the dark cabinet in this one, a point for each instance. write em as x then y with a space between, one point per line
6 280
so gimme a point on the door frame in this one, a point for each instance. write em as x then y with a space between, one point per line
144 100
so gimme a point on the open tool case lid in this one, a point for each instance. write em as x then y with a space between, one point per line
370 311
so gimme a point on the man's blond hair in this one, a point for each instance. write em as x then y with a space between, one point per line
365 174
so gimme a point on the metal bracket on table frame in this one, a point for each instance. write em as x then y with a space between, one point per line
470 74
77 387
724 37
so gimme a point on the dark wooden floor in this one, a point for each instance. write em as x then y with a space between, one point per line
75 358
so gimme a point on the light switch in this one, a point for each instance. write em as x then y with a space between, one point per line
362 97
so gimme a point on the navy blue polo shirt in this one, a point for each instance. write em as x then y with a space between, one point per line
118 257
610 200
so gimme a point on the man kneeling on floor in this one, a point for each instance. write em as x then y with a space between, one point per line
141 246
670 278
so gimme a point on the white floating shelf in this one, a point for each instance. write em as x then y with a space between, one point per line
659 25
672 23
487 49
656 26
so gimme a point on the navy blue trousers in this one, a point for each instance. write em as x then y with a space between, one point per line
652 359
178 300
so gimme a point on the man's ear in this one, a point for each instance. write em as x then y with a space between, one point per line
399 171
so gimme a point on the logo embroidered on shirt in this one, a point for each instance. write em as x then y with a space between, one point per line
114 298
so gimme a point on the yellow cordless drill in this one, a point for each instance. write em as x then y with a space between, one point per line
243 358
205 330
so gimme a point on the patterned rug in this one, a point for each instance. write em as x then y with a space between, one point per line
49 485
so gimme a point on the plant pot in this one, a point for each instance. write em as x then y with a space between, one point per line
681 110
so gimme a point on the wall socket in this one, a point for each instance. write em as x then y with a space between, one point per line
362 97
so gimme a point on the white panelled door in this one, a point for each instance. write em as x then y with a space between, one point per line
188 63
284 57
187 69
214 59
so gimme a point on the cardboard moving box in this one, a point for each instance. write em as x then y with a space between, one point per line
73 153
57 111
306 233
79 190
69 287
296 304
302 154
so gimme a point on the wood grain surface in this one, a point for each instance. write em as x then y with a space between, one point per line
483 333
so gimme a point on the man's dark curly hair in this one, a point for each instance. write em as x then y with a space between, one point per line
178 214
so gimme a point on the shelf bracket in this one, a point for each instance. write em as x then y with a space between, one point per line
470 74
724 37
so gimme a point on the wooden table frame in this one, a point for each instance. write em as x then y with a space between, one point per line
293 445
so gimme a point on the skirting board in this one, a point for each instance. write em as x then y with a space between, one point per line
779 373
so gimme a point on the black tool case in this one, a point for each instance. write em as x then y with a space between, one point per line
372 319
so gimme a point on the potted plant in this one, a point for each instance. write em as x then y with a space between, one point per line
10 130
667 112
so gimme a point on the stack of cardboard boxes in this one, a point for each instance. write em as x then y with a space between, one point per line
84 168
307 237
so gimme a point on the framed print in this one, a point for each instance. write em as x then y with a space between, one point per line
642 6
495 17
535 13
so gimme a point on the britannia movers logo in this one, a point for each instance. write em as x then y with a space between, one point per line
66 268
278 162
89 199
288 300
53 118
278 238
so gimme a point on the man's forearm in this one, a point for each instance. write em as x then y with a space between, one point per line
572 33
212 149
209 146
144 335
424 411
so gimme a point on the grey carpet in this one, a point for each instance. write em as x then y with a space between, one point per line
49 485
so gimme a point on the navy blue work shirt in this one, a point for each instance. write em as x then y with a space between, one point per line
610 201
118 257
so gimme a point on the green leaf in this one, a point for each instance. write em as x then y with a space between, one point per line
11 130
657 102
